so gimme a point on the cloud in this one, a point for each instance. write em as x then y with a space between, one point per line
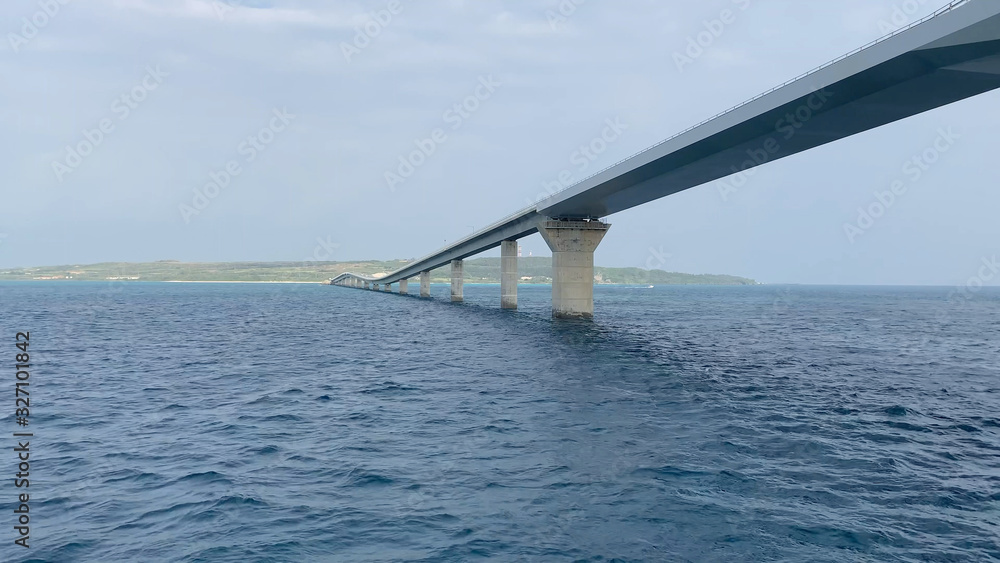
509 24
560 83
233 11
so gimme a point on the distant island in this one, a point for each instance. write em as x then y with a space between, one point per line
532 270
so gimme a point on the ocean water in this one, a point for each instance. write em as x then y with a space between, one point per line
238 422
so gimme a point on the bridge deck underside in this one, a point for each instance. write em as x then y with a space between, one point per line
909 85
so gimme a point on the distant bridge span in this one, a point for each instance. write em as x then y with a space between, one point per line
949 56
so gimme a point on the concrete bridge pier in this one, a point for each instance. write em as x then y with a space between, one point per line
375 286
388 288
368 286
508 274
573 243
404 286
456 281
425 284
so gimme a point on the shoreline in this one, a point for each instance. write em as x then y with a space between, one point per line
326 282
323 282
224 281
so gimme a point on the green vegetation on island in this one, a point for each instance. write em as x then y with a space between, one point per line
531 270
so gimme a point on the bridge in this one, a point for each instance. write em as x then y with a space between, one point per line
946 57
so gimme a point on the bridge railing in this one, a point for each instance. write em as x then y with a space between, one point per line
951 6
478 232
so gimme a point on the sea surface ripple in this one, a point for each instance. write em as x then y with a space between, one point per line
238 422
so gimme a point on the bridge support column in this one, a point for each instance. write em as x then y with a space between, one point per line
573 244
388 288
375 286
425 284
404 287
456 281
508 274
368 286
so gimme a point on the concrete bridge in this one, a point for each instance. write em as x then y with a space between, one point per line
949 56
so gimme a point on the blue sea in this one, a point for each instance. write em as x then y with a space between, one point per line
242 422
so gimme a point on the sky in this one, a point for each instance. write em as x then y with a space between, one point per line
122 115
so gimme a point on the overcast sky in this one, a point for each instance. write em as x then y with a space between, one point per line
333 107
